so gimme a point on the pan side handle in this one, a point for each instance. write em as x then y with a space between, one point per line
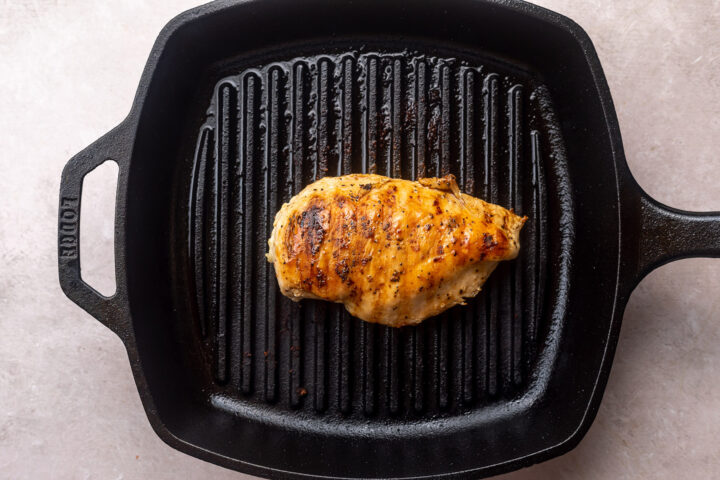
111 311
656 234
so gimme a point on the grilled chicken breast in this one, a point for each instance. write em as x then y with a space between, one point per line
393 251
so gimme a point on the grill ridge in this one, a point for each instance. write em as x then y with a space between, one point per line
273 129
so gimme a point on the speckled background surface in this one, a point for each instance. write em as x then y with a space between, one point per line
68 405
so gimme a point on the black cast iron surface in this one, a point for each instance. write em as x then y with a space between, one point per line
240 106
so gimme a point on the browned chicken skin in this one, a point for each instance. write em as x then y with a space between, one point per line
393 251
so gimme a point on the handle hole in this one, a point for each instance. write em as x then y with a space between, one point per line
97 232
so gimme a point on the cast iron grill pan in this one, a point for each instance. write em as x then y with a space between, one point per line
242 104
273 128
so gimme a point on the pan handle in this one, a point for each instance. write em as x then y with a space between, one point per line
108 310
665 234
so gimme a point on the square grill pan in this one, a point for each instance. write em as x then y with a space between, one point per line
241 104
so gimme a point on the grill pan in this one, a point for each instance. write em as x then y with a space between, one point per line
241 104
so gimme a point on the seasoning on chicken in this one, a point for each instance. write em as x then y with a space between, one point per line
392 251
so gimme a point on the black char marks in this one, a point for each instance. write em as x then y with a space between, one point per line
489 241
313 223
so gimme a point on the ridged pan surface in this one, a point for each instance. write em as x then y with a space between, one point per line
272 127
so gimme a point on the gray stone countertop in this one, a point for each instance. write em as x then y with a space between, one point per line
68 404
